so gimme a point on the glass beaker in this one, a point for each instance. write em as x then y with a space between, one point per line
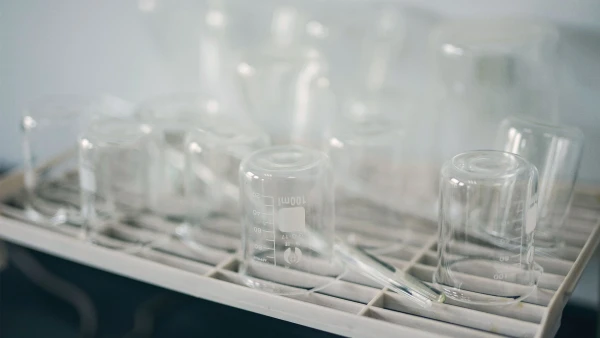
556 151
366 154
287 201
50 128
366 41
288 94
114 158
417 156
171 117
488 213
489 69
212 160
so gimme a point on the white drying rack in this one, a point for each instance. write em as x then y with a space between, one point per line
352 306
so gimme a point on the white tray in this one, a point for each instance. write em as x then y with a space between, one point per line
352 306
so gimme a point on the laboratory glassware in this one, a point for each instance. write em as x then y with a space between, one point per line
381 45
212 162
114 158
50 127
288 93
410 116
366 264
488 70
488 213
375 45
288 242
287 198
556 152
366 153
364 41
200 42
386 75
172 116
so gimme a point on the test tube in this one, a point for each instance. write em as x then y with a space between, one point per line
487 221
50 127
114 155
556 152
212 158
287 202
367 158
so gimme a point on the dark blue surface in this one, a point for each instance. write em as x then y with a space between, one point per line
28 311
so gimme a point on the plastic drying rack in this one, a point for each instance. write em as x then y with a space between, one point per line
353 306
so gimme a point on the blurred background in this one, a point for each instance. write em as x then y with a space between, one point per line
137 49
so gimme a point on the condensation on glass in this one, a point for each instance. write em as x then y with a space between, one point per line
556 152
487 222
287 201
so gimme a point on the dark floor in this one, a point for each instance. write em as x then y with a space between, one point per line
26 310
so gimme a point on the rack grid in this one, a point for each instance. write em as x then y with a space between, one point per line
350 306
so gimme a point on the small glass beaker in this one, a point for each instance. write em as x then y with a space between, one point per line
556 151
114 158
288 94
50 127
171 117
366 154
401 119
212 162
288 218
488 213
489 69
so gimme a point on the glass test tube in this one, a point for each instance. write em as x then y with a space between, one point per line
488 211
213 159
488 69
287 201
556 152
113 171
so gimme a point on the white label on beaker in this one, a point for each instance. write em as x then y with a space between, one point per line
531 219
291 219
